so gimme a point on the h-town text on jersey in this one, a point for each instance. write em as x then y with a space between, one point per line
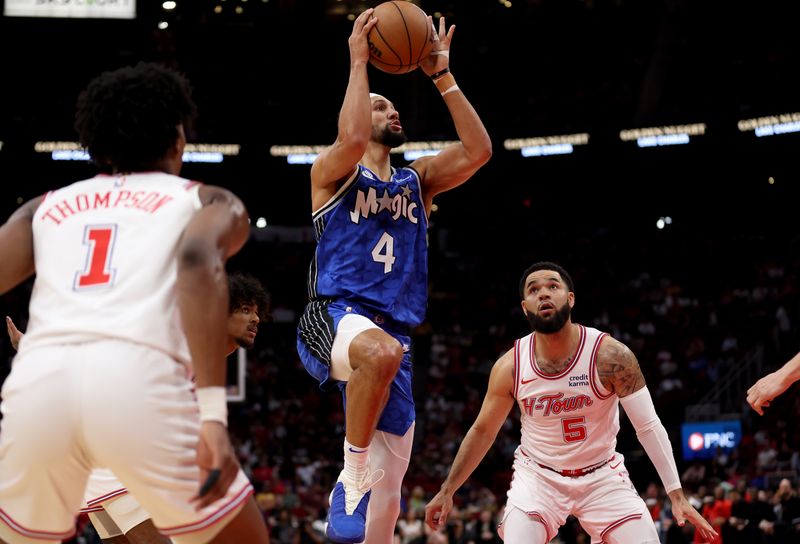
145 201
556 404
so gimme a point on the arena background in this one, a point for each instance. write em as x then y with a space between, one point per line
689 253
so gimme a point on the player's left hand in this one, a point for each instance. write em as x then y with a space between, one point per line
437 510
439 57
217 462
682 511
760 395
13 333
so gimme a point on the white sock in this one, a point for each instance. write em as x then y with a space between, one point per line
356 462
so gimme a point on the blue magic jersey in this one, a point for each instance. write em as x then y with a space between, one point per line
372 246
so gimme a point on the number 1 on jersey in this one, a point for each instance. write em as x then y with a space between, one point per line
385 244
100 242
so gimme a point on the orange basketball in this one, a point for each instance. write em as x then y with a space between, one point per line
401 38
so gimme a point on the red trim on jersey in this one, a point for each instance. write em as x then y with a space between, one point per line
91 510
212 518
567 370
30 533
190 184
593 369
617 524
517 372
107 496
44 197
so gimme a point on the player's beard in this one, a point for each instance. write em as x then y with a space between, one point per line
244 342
551 324
390 138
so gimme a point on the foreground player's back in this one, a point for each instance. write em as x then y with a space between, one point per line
105 254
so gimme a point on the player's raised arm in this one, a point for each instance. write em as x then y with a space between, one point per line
457 162
620 373
335 163
16 246
215 233
497 404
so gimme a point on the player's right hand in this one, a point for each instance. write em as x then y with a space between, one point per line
437 510
217 462
764 390
359 45
13 333
682 511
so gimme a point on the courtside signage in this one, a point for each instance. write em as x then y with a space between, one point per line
702 439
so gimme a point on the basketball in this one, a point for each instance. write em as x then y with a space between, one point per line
401 38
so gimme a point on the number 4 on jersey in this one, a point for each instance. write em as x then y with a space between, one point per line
99 240
385 244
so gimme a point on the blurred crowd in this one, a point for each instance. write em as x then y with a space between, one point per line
690 315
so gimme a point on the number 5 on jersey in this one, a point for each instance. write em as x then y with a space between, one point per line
574 428
383 252
99 242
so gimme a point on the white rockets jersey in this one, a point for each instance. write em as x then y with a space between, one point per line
569 420
105 251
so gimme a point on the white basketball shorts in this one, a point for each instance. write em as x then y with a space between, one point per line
601 500
113 404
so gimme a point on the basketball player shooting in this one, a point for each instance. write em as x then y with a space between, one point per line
368 280
568 381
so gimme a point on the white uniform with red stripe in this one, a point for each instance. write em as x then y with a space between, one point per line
102 378
567 463
108 244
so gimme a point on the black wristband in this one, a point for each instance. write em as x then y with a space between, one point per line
440 73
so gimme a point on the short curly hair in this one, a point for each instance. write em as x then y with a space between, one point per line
128 118
246 289
546 265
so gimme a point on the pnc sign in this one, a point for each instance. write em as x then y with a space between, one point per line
702 440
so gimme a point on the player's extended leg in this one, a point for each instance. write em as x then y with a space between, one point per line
124 521
247 526
375 357
520 528
391 453
108 531
637 529
368 359
146 533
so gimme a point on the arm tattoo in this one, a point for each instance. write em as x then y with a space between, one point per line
618 368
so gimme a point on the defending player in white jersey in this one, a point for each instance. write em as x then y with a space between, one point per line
117 517
568 381
130 301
